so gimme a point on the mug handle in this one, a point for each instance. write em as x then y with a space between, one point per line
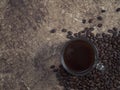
100 66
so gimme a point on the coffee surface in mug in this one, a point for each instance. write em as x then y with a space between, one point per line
79 55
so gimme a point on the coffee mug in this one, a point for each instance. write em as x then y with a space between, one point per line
80 56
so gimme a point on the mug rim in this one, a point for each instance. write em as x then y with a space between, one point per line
81 73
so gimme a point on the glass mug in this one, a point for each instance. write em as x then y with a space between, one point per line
79 45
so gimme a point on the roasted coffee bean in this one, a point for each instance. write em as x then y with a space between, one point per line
70 37
99 25
115 29
118 10
76 34
90 20
70 33
103 35
91 28
79 34
98 35
103 11
99 18
86 28
110 31
83 21
53 31
64 30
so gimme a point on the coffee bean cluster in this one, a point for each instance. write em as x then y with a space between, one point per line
108 46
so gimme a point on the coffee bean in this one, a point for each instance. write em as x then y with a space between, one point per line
70 33
98 35
86 28
99 18
70 37
99 25
52 66
64 30
118 10
83 31
110 31
90 20
83 21
79 34
76 34
53 31
91 28
103 11
115 29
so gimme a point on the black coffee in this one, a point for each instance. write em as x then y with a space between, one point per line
79 55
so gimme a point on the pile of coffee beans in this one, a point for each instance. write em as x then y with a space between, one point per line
108 46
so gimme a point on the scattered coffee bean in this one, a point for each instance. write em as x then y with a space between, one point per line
115 29
52 66
79 34
99 25
70 33
118 10
99 18
103 11
76 34
90 20
64 30
69 36
91 28
86 28
53 31
98 35
83 31
83 21
103 35
110 31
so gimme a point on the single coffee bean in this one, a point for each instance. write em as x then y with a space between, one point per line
115 29
99 25
64 30
70 33
53 31
110 31
52 66
83 21
90 20
70 37
79 34
76 34
118 10
86 28
99 18
103 11
91 28
98 35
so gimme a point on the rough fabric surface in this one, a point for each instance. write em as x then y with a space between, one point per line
28 49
